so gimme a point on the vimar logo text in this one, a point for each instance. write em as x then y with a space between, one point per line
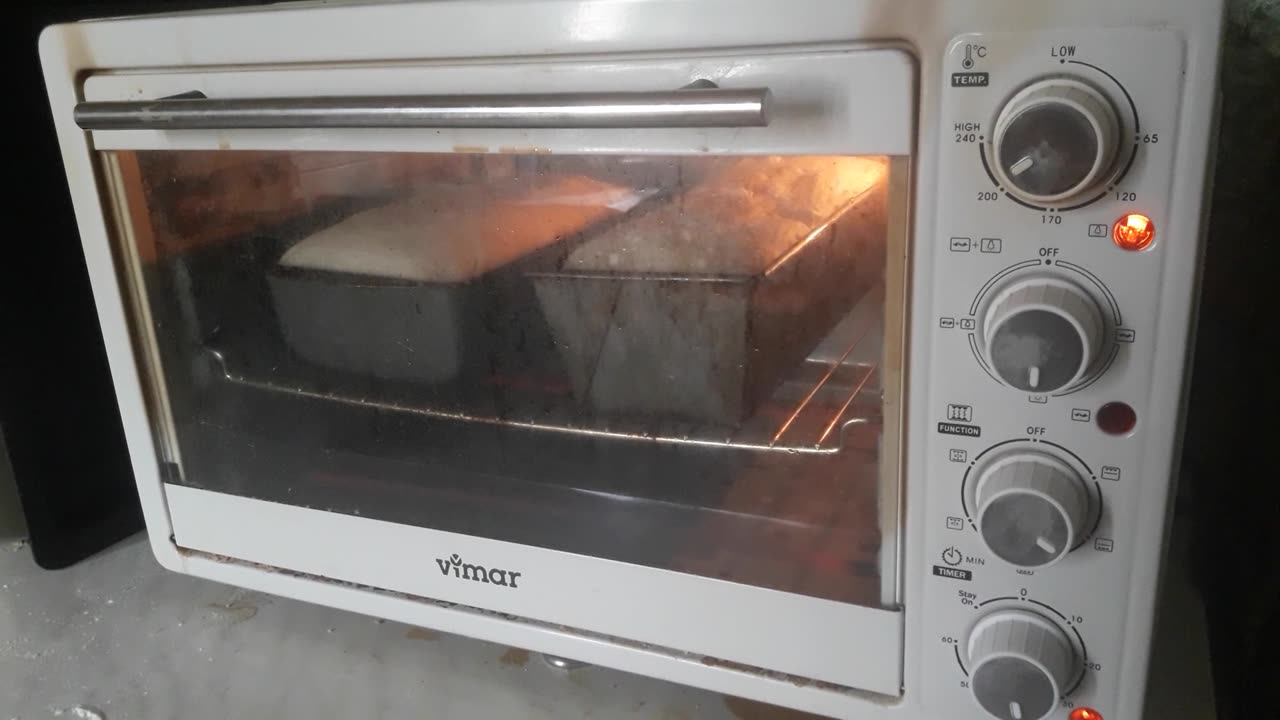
479 573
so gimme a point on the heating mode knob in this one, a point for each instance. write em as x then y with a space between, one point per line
1055 141
1019 663
1032 508
1041 333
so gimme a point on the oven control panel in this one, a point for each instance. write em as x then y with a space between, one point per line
1055 177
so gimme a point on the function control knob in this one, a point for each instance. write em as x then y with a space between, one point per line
1041 334
1032 508
1019 663
1056 140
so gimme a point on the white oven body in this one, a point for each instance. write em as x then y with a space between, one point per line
890 79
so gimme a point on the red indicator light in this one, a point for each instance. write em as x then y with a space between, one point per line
1083 713
1133 232
1116 418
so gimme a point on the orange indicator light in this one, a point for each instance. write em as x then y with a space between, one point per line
1084 713
1133 232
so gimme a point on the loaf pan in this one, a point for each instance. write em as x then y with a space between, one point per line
709 347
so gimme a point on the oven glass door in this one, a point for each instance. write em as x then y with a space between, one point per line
677 349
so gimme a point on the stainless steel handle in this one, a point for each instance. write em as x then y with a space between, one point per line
700 104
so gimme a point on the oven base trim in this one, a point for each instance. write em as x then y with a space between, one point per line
559 588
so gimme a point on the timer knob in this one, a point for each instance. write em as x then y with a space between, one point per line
1019 663
1041 334
1031 508
1055 140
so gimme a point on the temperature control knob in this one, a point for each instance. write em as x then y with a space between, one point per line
1056 140
1031 508
1019 664
1041 334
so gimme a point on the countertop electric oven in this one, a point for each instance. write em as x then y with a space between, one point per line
830 354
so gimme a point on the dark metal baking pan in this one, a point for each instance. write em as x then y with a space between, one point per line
415 331
464 308
710 348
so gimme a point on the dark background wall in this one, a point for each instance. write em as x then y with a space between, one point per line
58 412
59 415
1230 452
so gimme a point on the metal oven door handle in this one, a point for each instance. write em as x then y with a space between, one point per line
700 104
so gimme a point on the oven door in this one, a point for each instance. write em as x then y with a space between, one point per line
609 344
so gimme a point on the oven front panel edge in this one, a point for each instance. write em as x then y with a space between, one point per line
672 610
786 632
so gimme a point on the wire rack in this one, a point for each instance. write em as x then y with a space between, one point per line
816 410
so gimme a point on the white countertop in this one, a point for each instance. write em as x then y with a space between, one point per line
120 636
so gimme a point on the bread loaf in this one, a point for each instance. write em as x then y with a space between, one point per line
456 233
738 221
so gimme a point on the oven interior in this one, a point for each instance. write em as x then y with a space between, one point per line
682 362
